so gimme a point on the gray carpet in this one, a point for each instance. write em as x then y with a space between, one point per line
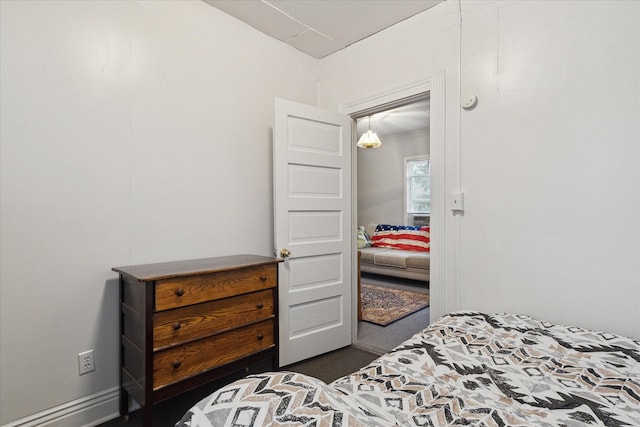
381 339
327 367
331 366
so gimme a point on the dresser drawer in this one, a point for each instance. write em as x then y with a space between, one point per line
171 327
182 291
178 363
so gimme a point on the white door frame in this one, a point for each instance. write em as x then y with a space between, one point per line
435 86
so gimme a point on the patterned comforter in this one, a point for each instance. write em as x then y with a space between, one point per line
468 368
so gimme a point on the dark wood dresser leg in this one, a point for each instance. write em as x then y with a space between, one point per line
124 402
148 416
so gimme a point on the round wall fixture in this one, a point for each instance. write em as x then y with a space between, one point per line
469 101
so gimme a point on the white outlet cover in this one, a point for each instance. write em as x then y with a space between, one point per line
86 362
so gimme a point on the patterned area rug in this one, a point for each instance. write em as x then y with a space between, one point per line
383 306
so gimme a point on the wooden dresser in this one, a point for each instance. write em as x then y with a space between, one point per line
186 323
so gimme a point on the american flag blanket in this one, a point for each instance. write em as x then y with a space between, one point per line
405 237
468 368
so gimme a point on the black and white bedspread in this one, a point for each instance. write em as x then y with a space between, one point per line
468 368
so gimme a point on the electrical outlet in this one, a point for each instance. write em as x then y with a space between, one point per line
86 362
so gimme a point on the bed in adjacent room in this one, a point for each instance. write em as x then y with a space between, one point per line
468 368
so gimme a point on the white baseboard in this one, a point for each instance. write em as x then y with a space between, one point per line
88 411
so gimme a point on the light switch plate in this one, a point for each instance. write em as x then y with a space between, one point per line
456 202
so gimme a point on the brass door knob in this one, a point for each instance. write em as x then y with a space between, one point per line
285 253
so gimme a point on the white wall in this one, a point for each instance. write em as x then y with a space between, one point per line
550 161
131 132
381 176
547 160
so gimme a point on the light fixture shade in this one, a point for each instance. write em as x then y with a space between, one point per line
369 139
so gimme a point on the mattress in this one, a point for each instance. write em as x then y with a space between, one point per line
468 368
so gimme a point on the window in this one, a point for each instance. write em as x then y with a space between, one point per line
417 185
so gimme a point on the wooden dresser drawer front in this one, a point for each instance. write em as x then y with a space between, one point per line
182 291
176 326
178 363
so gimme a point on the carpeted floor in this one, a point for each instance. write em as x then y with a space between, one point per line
327 367
384 305
381 339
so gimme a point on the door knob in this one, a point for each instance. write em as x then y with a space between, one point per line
285 253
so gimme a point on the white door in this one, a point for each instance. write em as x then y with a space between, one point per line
312 219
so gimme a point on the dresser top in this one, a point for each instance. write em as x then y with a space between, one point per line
167 270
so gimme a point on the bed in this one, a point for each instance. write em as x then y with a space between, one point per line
468 368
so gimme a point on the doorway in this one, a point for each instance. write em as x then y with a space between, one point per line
403 127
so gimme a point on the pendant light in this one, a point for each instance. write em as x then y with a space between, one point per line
369 139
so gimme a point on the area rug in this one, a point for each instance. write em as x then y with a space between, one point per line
383 306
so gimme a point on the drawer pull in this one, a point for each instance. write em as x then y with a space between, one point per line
180 292
176 326
263 277
176 364
259 305
260 337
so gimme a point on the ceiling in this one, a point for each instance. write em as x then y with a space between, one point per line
321 27
407 118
